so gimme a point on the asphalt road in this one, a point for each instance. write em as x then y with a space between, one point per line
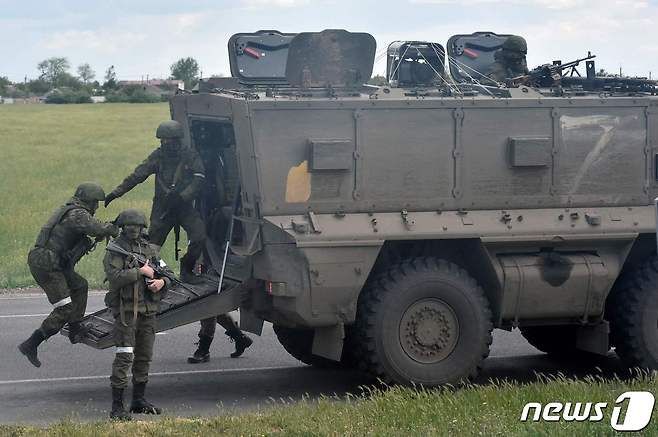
73 380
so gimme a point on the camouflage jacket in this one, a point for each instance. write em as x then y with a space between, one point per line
500 71
183 173
126 281
66 228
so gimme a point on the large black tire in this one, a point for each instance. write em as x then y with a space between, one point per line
299 343
632 310
558 341
424 321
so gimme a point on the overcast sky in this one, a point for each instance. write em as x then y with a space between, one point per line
144 37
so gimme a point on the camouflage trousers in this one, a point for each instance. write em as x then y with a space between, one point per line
134 348
209 325
66 291
163 221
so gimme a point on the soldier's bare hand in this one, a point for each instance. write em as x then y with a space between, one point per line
155 285
147 270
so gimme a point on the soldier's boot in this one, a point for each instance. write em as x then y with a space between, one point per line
187 273
78 331
29 347
118 411
190 278
241 341
202 353
140 405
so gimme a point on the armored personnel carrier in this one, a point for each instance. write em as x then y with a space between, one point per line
393 228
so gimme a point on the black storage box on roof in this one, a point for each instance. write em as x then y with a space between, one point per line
415 63
259 58
336 58
472 56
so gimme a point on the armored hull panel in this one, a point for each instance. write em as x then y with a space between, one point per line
363 155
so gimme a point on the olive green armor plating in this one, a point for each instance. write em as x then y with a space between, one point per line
356 207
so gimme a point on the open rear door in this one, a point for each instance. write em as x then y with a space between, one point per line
181 305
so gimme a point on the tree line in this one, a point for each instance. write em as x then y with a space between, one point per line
60 85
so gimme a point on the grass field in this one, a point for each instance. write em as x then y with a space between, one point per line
47 150
491 410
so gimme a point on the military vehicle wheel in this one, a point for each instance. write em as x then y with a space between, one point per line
632 310
298 343
424 321
559 341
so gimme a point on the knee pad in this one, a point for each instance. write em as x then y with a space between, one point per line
64 307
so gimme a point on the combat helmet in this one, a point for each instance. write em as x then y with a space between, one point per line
90 192
131 217
169 129
515 43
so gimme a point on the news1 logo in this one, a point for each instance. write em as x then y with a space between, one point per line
637 406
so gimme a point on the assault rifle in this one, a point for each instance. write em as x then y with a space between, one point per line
548 75
86 245
160 272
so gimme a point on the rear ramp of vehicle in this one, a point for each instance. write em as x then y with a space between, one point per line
182 304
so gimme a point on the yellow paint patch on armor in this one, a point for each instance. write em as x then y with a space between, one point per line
298 184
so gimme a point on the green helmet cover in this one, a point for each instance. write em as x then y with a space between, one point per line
131 217
169 129
515 43
89 192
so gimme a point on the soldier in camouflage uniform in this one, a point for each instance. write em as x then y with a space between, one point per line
510 59
134 299
61 243
179 176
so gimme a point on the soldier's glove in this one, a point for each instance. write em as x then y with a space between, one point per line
109 198
114 230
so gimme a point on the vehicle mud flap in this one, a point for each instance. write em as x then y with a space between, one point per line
179 307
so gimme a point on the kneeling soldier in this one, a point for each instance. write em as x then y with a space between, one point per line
134 297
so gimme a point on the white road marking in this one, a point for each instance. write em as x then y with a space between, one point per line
18 316
186 372
43 296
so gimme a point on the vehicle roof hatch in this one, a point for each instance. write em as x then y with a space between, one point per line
472 56
415 63
331 58
259 58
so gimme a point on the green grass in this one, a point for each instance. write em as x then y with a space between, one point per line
490 410
47 150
